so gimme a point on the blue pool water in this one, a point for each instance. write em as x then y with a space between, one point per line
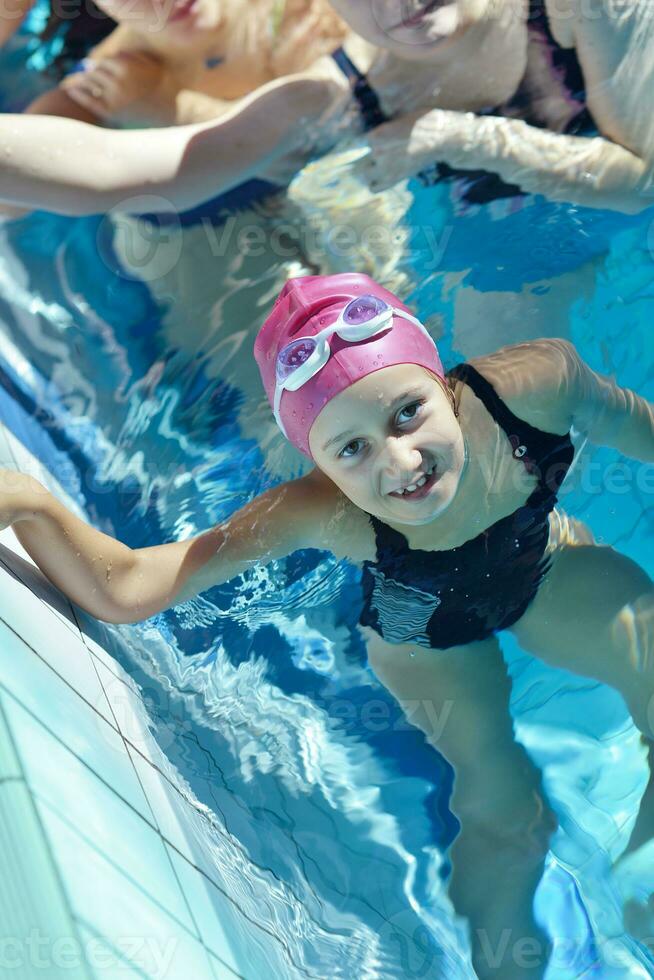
125 366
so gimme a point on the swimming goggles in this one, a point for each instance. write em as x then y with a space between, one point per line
302 358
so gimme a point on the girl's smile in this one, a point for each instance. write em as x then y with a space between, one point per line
421 487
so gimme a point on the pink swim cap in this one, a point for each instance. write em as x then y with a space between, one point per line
306 306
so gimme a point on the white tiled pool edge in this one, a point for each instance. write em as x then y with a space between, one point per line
96 864
33 907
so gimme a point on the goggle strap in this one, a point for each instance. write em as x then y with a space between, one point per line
279 391
281 387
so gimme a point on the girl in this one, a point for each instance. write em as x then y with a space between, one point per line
183 61
436 70
442 487
586 79
174 62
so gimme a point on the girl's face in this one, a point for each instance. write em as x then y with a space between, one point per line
393 430
412 29
177 18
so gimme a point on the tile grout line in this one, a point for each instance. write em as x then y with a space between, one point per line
44 834
164 839
57 674
147 799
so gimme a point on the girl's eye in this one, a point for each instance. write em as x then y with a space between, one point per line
352 449
409 412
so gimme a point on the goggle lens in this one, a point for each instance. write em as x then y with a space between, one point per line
293 356
362 309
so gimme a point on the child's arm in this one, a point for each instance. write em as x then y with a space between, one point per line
594 172
12 15
611 415
119 584
547 383
183 165
53 103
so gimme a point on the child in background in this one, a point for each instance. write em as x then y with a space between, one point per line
442 486
12 16
170 62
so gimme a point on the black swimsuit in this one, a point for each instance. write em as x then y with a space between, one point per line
440 599
480 186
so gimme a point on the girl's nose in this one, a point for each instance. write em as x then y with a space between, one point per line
402 459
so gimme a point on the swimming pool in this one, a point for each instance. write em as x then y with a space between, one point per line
325 817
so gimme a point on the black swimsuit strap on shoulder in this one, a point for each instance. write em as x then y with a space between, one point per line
367 99
547 454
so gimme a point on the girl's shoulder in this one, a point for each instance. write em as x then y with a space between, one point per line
536 380
331 521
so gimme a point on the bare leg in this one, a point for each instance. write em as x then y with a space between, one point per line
460 699
594 616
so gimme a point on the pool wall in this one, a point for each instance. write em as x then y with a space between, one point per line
100 877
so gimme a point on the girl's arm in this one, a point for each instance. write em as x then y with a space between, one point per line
548 384
56 102
119 584
12 15
611 415
588 171
102 169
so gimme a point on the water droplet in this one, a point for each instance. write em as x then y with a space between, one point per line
413 653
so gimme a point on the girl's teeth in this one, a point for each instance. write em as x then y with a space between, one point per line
419 483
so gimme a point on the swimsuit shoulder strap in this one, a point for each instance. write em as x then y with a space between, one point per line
535 447
484 390
367 99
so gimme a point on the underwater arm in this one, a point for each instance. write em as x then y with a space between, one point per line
546 382
588 171
118 584
611 415
100 169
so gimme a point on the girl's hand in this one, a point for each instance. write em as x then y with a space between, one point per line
18 496
112 84
403 147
